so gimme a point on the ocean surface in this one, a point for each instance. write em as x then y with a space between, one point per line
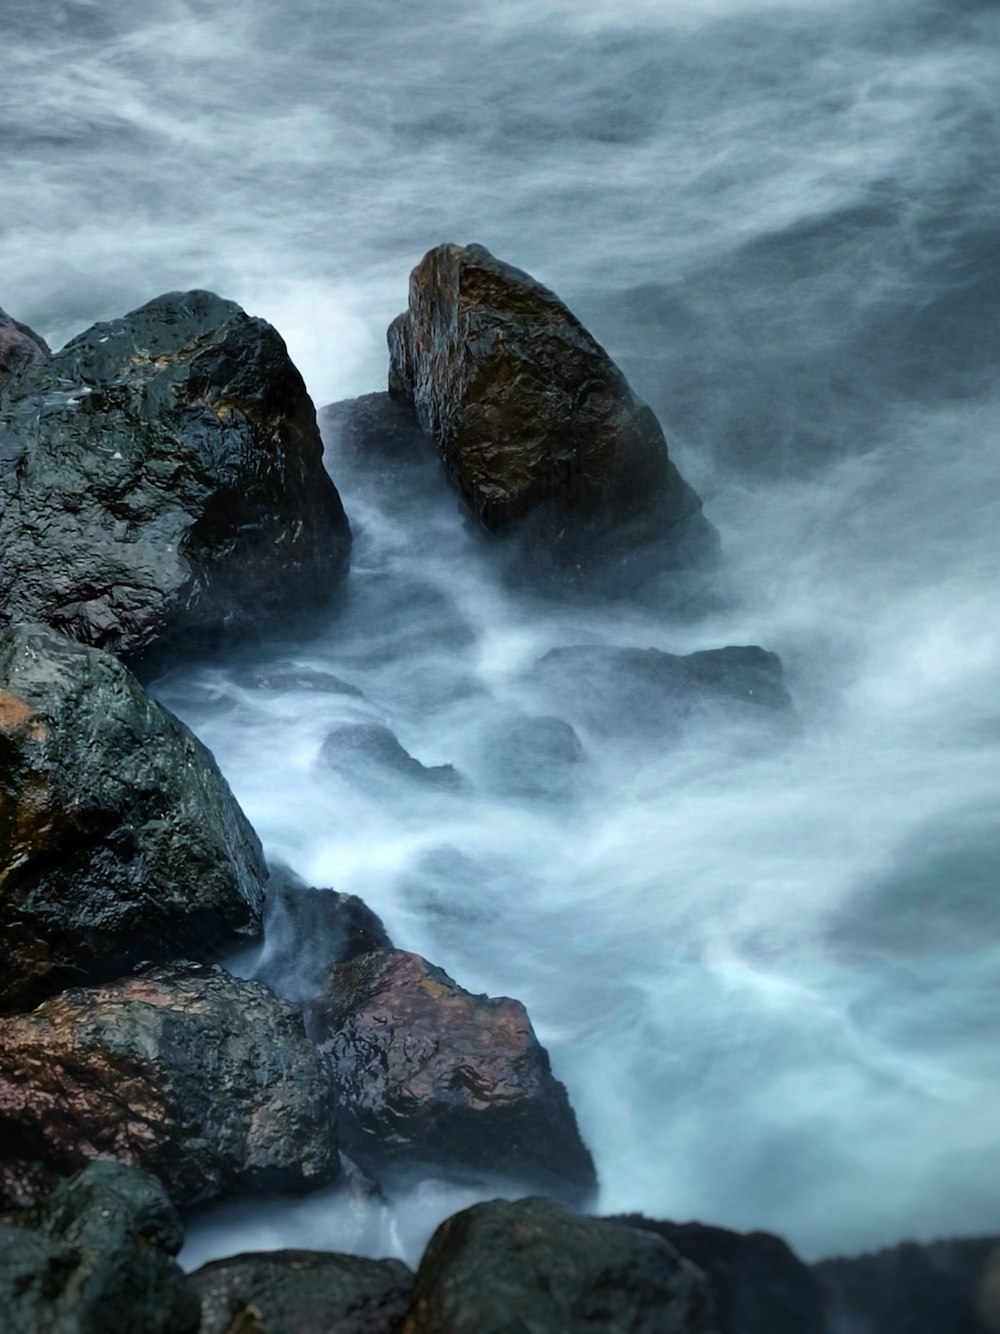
766 967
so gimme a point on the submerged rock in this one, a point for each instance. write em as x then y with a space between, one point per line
201 1078
119 838
371 751
509 1266
163 473
428 1075
302 1292
758 1283
536 758
644 693
531 416
19 347
96 1258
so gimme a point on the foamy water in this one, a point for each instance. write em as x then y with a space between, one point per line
767 967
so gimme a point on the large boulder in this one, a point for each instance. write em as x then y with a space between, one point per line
163 473
645 694
119 838
758 1283
19 347
302 1292
430 1076
528 1265
96 1258
206 1080
529 413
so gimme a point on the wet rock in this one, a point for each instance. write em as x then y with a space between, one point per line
283 677
644 693
19 347
163 474
24 1183
534 758
302 1292
527 1265
428 1075
529 413
96 1258
119 838
758 1283
201 1078
913 1289
307 930
371 751
374 430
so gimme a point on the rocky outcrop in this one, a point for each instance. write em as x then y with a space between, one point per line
163 473
119 838
646 694
96 1258
529 1265
19 347
531 417
758 1284
201 1078
428 1075
302 1292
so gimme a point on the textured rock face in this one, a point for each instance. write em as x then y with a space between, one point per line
19 347
758 1284
527 409
644 693
162 473
203 1079
529 1265
119 838
302 1292
96 1258
427 1074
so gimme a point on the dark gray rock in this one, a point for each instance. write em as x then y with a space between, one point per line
163 474
647 694
308 930
302 1292
758 1283
531 417
201 1078
24 1182
951 1286
429 1075
533 758
19 347
96 1258
371 751
119 838
529 1267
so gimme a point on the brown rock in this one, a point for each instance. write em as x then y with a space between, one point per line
201 1078
428 1074
529 412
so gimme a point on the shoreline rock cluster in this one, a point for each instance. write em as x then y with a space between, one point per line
162 485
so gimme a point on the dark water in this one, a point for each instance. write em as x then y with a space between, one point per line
768 969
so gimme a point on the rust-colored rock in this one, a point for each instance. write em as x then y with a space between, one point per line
205 1080
428 1075
530 414
19 346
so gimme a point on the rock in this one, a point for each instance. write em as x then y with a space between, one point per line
283 677
206 1080
428 1075
96 1258
375 430
527 1265
913 1289
306 930
163 474
302 1292
371 752
533 757
19 347
24 1183
646 694
529 413
758 1283
119 838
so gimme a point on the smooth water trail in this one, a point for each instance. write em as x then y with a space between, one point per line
766 965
